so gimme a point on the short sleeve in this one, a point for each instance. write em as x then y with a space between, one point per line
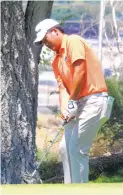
75 48
56 72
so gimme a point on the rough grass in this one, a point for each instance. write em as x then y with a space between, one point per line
51 167
51 171
47 127
116 177
111 179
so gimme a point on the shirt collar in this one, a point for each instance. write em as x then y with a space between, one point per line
63 45
62 49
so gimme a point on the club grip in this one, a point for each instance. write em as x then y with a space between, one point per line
64 122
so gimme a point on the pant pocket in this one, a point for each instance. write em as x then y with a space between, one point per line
106 109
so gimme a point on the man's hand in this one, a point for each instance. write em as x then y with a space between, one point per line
71 111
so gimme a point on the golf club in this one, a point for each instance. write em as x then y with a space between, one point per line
31 178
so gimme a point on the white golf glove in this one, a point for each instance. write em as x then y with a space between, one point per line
72 108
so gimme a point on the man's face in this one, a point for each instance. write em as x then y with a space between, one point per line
51 40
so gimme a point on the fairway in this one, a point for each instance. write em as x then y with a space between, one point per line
74 189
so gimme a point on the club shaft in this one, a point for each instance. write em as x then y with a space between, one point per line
48 149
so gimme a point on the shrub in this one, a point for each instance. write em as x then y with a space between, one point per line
50 168
112 131
115 89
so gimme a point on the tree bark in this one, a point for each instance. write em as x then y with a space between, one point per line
35 12
19 83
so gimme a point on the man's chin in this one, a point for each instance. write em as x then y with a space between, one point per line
54 49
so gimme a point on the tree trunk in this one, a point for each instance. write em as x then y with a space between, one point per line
19 83
102 9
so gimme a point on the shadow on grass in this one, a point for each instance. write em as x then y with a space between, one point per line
109 175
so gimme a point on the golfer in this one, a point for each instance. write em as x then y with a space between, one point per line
83 95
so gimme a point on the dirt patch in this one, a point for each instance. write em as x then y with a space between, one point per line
47 127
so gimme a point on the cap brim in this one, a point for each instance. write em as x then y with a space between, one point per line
37 43
39 38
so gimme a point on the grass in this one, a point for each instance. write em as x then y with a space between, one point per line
115 177
111 179
47 128
51 167
50 157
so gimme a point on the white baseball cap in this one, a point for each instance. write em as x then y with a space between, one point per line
42 28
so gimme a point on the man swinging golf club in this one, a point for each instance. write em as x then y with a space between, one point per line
83 96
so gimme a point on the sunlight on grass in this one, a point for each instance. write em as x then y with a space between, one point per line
51 157
112 179
117 178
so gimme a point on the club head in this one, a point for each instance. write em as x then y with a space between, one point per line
31 179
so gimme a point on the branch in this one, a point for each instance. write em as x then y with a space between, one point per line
106 161
115 28
56 178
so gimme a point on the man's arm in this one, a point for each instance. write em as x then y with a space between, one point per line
63 99
78 78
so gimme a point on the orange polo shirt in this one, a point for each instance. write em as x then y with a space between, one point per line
73 48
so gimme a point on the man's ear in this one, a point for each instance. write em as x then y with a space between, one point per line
54 31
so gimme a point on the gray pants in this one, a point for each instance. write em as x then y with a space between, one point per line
78 137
